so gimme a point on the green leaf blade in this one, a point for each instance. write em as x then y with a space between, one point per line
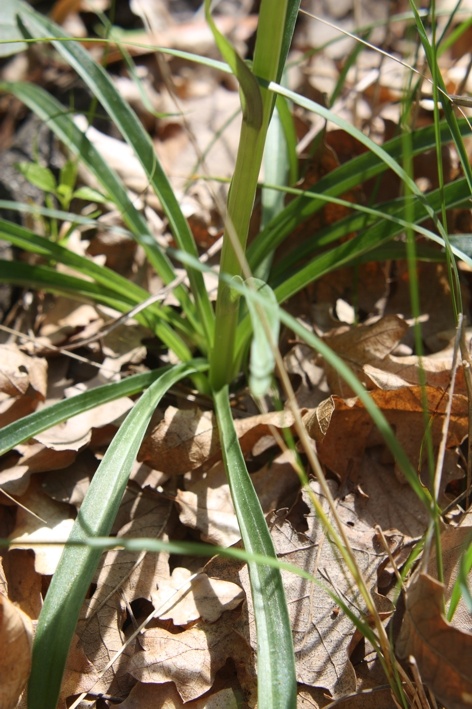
277 685
266 327
77 564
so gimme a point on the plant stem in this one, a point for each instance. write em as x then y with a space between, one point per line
274 34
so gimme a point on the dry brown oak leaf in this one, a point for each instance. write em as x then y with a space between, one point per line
343 429
442 652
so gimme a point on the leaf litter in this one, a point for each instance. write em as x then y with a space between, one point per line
162 631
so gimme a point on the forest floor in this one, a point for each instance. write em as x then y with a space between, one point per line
195 647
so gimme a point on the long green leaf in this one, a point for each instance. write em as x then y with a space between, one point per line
27 240
60 121
134 133
77 565
386 220
29 426
366 240
341 180
265 327
154 316
275 657
52 281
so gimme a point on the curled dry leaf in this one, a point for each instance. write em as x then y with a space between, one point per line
343 429
361 345
23 383
75 433
185 439
442 652
35 458
66 317
368 351
16 639
184 599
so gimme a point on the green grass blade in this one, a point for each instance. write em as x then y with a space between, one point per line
52 281
367 239
125 289
134 133
29 426
387 223
200 549
59 119
77 565
27 240
265 327
446 102
275 657
250 92
341 180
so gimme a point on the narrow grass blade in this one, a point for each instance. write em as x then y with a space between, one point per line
265 327
366 240
200 549
275 657
154 317
29 426
337 182
77 565
250 93
60 121
52 281
446 102
134 133
27 240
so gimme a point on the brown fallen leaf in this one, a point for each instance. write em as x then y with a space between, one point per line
184 599
454 542
24 583
16 640
321 636
76 432
41 519
361 345
15 473
207 504
368 350
208 507
65 317
190 658
23 383
122 578
343 429
442 652
185 439
165 696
